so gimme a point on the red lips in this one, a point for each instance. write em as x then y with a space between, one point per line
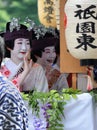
23 52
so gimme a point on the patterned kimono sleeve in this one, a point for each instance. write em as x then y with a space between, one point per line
13 114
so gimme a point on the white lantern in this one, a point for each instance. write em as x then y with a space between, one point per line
81 30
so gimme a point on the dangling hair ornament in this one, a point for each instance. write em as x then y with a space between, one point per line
30 22
41 30
14 24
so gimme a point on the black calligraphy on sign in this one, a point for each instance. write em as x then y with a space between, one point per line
85 40
85 27
49 2
87 13
48 10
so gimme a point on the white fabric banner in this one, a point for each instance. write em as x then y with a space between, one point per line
79 113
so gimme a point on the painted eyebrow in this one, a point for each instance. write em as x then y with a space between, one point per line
49 49
20 39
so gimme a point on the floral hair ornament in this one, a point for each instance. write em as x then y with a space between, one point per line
44 37
14 24
16 30
41 31
31 23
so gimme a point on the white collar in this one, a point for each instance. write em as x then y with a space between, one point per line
13 68
10 65
55 66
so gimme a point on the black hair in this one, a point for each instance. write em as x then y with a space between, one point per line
1 50
10 45
57 47
95 73
35 53
33 57
38 52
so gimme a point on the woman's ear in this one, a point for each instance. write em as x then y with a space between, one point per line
9 49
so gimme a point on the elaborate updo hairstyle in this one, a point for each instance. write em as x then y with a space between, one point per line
15 30
43 37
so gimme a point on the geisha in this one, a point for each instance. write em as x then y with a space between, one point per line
18 67
44 48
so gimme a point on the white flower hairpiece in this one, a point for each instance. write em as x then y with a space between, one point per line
14 24
41 31
30 22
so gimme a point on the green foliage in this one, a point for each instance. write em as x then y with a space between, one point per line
17 8
25 96
93 93
55 102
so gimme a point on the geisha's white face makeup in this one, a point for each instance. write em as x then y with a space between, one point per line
49 55
21 46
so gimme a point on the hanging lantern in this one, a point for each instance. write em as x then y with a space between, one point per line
81 30
57 12
46 13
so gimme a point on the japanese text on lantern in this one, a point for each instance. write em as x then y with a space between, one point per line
86 28
49 10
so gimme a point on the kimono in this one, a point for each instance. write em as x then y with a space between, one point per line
13 113
36 78
57 80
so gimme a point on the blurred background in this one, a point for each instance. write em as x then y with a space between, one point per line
17 8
